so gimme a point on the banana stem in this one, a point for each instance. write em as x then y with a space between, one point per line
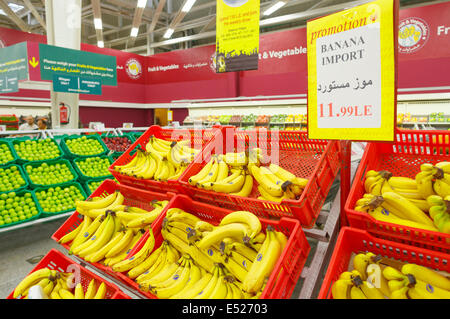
411 280
447 205
439 173
385 174
375 202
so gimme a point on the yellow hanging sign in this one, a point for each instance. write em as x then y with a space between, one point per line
237 35
352 73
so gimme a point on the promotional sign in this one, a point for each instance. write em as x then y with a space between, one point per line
9 83
13 61
74 84
87 65
352 73
237 35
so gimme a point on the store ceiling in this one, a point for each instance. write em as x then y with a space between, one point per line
195 28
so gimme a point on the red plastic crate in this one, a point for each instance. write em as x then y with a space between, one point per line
133 197
403 158
353 240
288 268
316 160
58 261
198 139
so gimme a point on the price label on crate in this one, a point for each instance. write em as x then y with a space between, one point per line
352 73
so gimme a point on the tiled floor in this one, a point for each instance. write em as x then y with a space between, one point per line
20 245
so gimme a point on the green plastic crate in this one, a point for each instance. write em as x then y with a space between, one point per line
35 201
53 162
24 176
71 155
11 149
112 153
21 160
87 182
82 176
47 214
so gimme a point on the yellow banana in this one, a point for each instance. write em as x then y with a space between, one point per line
245 217
401 204
92 288
427 275
264 263
201 174
30 280
79 292
140 256
101 291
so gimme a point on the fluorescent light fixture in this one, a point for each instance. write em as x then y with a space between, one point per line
141 3
134 32
98 24
14 7
168 33
274 8
188 5
100 44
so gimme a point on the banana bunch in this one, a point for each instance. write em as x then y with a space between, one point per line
57 285
393 208
434 179
109 237
198 260
380 182
413 281
440 212
236 173
160 161
373 277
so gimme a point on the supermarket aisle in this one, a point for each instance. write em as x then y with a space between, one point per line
21 249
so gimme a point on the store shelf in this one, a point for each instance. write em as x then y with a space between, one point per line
322 239
35 222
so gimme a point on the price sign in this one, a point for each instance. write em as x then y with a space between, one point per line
352 73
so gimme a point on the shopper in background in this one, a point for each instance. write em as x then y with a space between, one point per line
29 124
42 123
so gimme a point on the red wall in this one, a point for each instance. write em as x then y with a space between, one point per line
115 117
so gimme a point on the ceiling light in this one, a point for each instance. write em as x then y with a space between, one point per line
168 33
134 32
141 3
100 44
98 24
188 5
274 8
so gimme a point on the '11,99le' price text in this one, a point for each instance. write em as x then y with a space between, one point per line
330 110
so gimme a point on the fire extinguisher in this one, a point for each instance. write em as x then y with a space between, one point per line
64 113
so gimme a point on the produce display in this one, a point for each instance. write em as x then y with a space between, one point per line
84 146
58 285
50 174
375 277
109 228
11 179
278 118
235 174
93 185
262 119
6 155
224 119
199 260
251 118
162 160
37 150
16 207
117 143
93 166
421 203
58 199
